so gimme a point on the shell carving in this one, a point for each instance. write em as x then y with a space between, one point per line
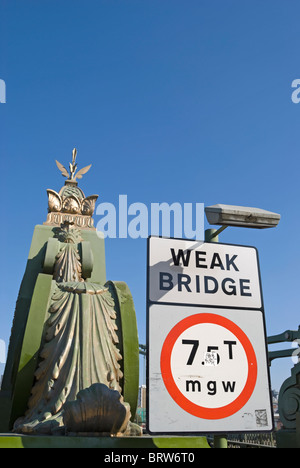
71 204
54 201
97 409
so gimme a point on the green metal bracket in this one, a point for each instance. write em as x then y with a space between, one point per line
287 336
289 395
129 342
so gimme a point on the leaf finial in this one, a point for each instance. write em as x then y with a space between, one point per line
71 175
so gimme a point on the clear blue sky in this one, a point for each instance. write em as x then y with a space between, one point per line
186 101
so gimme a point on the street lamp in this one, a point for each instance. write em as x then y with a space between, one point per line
239 216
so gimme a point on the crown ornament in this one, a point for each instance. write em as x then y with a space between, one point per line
70 205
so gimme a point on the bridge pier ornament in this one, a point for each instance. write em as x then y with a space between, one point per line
78 380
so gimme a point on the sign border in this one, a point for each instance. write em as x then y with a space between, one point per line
181 400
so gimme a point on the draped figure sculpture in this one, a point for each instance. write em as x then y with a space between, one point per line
77 381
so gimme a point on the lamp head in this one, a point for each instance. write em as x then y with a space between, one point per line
241 216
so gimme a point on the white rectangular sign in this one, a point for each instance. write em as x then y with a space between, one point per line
207 364
193 272
207 371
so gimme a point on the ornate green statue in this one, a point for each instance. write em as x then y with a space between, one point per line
73 357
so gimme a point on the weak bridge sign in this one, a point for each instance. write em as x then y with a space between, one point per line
207 358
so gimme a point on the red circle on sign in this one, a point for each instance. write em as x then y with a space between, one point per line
176 394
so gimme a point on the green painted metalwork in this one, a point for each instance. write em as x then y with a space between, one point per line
8 441
33 268
87 259
52 249
289 395
31 314
289 336
98 274
31 345
129 343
